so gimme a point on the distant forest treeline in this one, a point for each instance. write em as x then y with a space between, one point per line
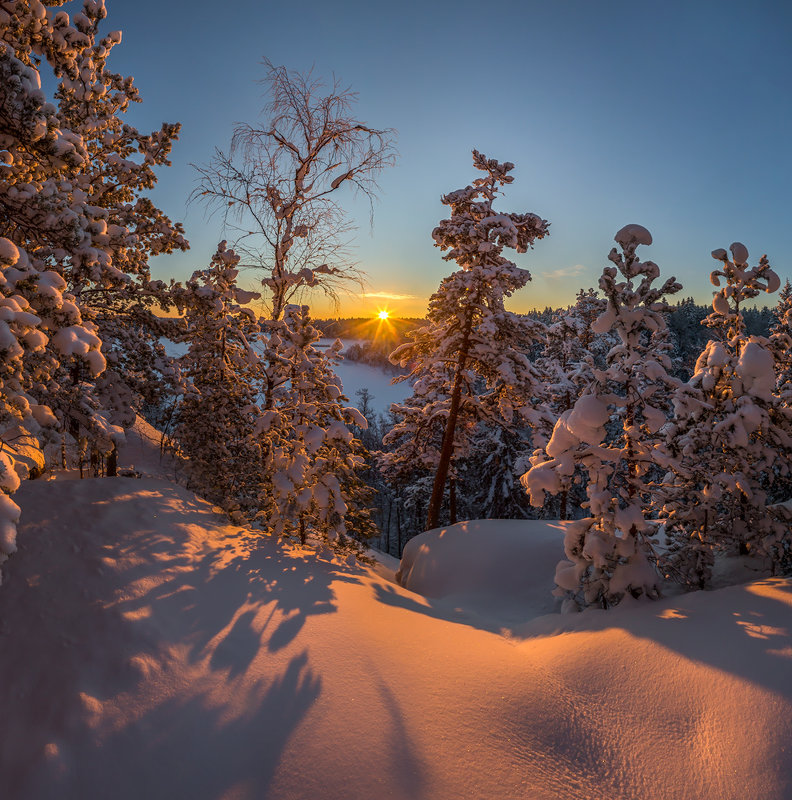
378 338
370 328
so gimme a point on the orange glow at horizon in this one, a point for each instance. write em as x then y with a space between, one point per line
383 319
380 324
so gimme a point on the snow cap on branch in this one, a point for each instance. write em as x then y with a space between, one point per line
633 234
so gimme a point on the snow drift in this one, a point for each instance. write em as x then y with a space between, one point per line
149 649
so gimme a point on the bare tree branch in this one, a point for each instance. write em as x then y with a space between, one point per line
276 188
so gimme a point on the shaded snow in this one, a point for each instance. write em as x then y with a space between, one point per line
142 453
149 649
463 566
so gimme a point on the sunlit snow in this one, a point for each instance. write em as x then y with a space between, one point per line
152 650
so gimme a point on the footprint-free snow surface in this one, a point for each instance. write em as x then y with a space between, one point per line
149 649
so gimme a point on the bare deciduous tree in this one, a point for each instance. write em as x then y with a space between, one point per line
277 186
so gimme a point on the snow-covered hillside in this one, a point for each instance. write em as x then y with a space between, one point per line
149 649
354 376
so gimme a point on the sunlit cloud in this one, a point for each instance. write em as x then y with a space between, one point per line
389 296
565 272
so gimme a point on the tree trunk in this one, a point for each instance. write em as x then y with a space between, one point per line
387 527
452 501
447 450
112 462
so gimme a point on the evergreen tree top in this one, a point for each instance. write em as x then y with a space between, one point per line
475 235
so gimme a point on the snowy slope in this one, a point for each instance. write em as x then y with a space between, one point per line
354 376
149 650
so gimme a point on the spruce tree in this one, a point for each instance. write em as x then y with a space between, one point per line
472 357
68 227
73 197
781 336
610 552
729 443
218 413
571 354
310 455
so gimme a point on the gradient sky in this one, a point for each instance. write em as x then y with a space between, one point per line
674 115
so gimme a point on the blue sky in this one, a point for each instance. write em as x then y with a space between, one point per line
677 116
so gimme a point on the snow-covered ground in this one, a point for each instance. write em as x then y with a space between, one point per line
354 376
149 649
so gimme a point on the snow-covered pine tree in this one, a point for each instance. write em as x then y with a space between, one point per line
781 345
216 418
47 225
122 299
609 552
472 356
310 455
572 351
25 332
489 483
685 323
730 438
781 336
74 174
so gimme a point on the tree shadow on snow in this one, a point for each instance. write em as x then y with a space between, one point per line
114 614
480 612
231 595
406 764
193 747
745 630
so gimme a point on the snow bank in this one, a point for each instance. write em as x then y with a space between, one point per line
464 564
148 649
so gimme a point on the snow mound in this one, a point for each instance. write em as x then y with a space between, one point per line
148 649
740 253
464 564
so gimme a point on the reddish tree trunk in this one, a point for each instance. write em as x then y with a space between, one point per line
447 450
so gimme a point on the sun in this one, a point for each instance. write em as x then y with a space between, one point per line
381 321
